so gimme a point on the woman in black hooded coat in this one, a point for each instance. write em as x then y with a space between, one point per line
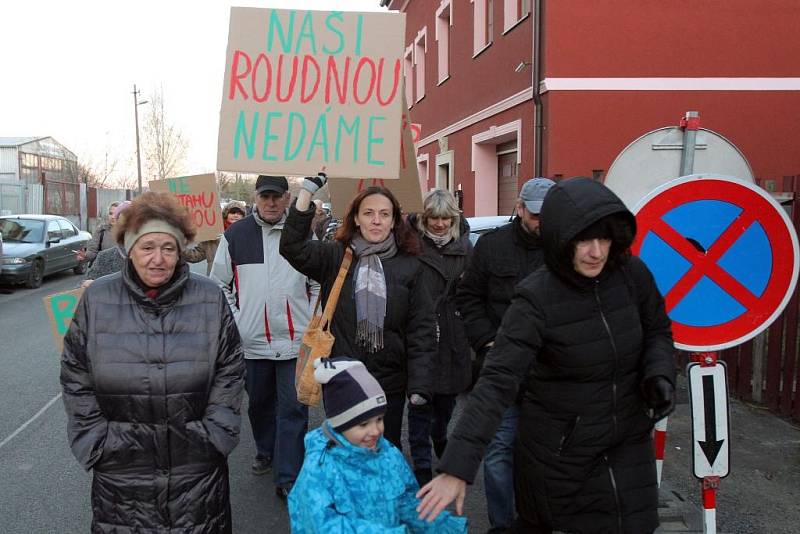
588 337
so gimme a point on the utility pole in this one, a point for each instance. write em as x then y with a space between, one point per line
136 105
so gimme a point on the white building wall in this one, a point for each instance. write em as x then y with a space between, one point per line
9 164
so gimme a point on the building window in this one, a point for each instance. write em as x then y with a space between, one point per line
422 168
420 47
496 158
408 73
444 171
444 20
514 11
483 18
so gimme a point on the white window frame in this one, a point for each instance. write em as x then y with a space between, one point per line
480 18
514 12
420 48
423 169
445 182
484 163
408 74
444 19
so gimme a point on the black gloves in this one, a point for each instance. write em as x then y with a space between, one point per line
314 183
659 394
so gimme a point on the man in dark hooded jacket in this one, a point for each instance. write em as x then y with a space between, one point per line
588 336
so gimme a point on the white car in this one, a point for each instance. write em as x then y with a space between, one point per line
481 225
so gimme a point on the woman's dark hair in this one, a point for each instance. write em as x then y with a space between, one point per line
404 235
161 206
615 227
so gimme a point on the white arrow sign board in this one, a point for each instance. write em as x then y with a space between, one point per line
708 392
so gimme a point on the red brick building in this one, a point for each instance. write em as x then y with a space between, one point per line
605 72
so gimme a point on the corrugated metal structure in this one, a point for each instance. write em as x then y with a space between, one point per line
37 159
9 164
18 197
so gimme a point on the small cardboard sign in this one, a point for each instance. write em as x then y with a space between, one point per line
307 89
60 309
199 194
407 189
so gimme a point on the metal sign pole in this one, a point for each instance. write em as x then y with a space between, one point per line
709 484
660 442
690 124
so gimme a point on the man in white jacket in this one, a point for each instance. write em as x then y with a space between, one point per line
272 304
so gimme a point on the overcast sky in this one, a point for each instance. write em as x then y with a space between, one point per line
68 70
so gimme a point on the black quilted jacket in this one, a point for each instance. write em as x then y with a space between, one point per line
152 390
409 330
582 347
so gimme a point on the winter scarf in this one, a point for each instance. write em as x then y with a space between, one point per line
439 240
370 290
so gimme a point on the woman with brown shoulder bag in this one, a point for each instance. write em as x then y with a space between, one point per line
384 316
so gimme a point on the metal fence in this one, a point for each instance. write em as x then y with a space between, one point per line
19 197
12 199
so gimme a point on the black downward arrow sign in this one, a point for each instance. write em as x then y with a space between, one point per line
710 446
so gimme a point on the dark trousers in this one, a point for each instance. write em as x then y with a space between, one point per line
278 421
428 422
393 420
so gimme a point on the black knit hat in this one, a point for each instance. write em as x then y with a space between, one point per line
350 394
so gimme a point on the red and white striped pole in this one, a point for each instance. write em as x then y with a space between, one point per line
660 442
710 484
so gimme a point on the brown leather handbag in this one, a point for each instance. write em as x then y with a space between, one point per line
318 341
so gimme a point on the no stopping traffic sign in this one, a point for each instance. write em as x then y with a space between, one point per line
724 255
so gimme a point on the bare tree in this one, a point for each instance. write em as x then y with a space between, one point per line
93 175
236 185
164 145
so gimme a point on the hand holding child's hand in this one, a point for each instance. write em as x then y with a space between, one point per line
437 494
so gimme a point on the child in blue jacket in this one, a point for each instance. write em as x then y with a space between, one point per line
353 480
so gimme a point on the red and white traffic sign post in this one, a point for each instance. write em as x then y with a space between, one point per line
725 256
708 392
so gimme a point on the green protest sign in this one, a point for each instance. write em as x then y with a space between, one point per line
60 309
200 196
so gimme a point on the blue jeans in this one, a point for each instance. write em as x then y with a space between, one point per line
428 422
278 421
498 472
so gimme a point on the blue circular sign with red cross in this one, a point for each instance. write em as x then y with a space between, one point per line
723 253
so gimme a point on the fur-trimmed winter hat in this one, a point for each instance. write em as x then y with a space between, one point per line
350 394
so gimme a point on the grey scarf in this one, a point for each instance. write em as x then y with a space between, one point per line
370 290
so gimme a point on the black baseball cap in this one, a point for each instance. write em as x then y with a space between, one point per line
275 184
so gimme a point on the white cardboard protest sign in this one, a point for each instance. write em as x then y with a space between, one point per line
307 89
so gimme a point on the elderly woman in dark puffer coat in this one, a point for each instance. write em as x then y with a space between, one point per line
152 375
588 336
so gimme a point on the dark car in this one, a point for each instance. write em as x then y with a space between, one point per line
38 245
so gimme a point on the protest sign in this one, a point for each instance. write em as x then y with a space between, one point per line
307 89
60 309
407 189
199 194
